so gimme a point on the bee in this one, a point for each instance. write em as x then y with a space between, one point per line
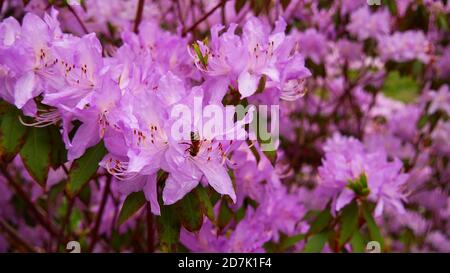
194 147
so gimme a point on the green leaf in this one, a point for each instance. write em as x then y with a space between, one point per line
203 59
225 214
290 241
35 154
238 5
58 152
321 222
374 231
190 212
205 203
132 204
402 88
349 222
316 243
357 242
12 133
169 228
84 168
442 21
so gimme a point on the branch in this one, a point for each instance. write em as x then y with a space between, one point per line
100 214
138 17
35 210
78 19
17 238
204 17
150 232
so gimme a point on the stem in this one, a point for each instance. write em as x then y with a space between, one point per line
222 14
78 19
204 17
65 222
180 14
34 209
100 214
138 17
1 6
17 238
150 232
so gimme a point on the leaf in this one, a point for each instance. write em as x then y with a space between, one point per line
442 22
238 5
58 151
203 59
132 204
12 133
285 242
205 203
374 231
402 88
349 222
84 168
35 154
169 228
321 222
316 243
190 212
225 214
290 241
357 242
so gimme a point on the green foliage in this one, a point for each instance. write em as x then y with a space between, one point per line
374 231
348 222
316 242
169 228
36 153
133 203
321 222
402 88
190 212
84 168
12 132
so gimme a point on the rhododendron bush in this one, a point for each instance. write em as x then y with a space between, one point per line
224 126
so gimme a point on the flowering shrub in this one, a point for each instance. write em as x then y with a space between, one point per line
224 126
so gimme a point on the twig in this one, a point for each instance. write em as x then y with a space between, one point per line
138 17
78 19
100 214
1 6
180 13
4 226
38 214
65 222
150 232
204 17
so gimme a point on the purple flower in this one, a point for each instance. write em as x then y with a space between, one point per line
349 170
404 46
365 24
228 58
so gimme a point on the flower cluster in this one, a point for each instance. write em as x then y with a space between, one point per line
139 125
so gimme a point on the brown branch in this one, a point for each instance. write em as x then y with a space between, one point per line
138 17
100 214
150 231
65 222
204 17
16 238
34 209
78 19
